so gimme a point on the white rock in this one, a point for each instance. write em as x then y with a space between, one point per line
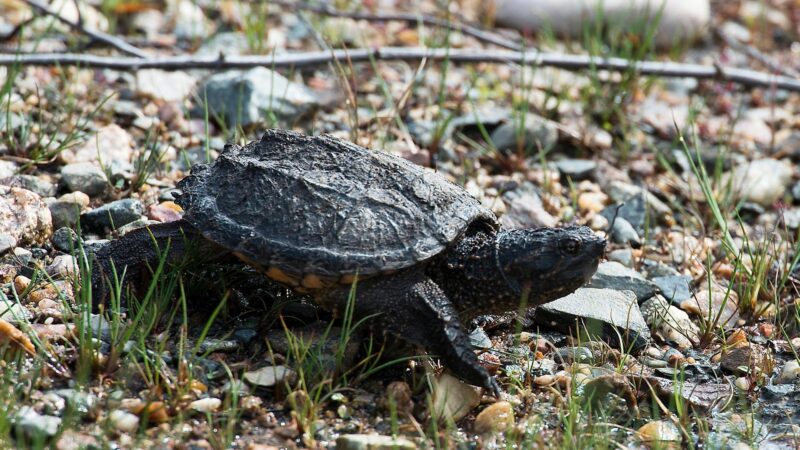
168 86
206 405
790 373
763 181
64 266
188 19
269 376
452 398
7 168
686 20
24 216
110 143
372 442
124 421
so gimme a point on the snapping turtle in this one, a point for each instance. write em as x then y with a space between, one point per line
315 213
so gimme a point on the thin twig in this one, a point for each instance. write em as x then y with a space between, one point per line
113 41
756 54
744 77
415 19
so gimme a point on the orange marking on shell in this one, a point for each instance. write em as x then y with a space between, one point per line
347 279
312 281
281 276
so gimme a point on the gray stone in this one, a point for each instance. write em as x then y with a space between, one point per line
675 288
12 122
84 177
478 338
244 335
7 242
7 168
779 391
796 189
34 425
12 311
540 133
65 240
113 215
39 185
623 256
82 403
372 442
791 218
569 355
247 98
576 169
225 43
64 213
622 232
525 209
603 313
669 323
613 275
638 204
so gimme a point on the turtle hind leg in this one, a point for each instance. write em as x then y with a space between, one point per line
411 306
126 260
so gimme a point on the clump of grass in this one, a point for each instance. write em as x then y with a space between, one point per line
57 121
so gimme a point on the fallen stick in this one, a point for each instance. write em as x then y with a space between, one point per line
105 38
744 77
414 19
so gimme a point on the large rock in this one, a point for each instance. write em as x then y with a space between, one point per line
613 275
678 21
247 98
24 216
603 313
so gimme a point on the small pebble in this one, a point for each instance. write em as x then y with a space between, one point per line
659 431
497 417
206 405
790 372
21 282
124 421
64 266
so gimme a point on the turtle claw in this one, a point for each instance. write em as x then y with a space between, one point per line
494 388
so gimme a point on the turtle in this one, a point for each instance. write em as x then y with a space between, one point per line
318 214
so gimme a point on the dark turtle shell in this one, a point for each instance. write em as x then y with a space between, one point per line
298 205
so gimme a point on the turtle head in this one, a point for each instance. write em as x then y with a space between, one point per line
548 263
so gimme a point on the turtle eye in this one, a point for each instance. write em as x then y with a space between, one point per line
571 246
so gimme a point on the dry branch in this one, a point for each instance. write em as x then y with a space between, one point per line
99 36
744 77
413 19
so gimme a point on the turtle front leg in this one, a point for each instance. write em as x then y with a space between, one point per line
412 307
128 257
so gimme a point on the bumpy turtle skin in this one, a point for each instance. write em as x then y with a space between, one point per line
323 206
125 260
